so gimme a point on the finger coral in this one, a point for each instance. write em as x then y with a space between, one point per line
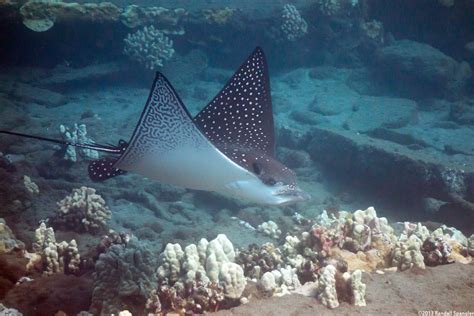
149 47
83 210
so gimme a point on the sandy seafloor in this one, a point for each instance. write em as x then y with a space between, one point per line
444 289
158 214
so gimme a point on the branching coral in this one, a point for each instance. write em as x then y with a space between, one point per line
293 26
83 210
55 257
77 135
149 47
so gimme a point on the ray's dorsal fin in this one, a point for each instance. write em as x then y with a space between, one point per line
165 124
240 118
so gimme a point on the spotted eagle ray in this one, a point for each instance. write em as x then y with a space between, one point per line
229 147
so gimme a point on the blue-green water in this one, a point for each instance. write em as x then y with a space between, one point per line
372 106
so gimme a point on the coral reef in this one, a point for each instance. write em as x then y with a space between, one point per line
258 260
335 7
30 185
40 15
326 287
280 281
8 242
210 262
9 311
269 228
55 257
418 62
218 15
407 254
190 297
124 278
293 26
82 210
77 135
373 30
149 47
134 16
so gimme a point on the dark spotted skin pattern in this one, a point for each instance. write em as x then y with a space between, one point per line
103 169
239 122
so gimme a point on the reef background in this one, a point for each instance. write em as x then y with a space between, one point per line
373 102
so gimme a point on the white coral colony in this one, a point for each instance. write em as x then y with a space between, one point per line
149 47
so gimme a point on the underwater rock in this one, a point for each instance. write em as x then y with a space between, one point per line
219 16
13 269
8 242
381 112
26 93
194 64
166 19
462 112
416 66
62 76
40 15
294 158
422 175
332 98
124 278
49 294
469 47
408 140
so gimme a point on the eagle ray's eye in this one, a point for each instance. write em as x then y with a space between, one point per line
270 181
256 168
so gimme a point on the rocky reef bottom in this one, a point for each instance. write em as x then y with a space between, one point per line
347 262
